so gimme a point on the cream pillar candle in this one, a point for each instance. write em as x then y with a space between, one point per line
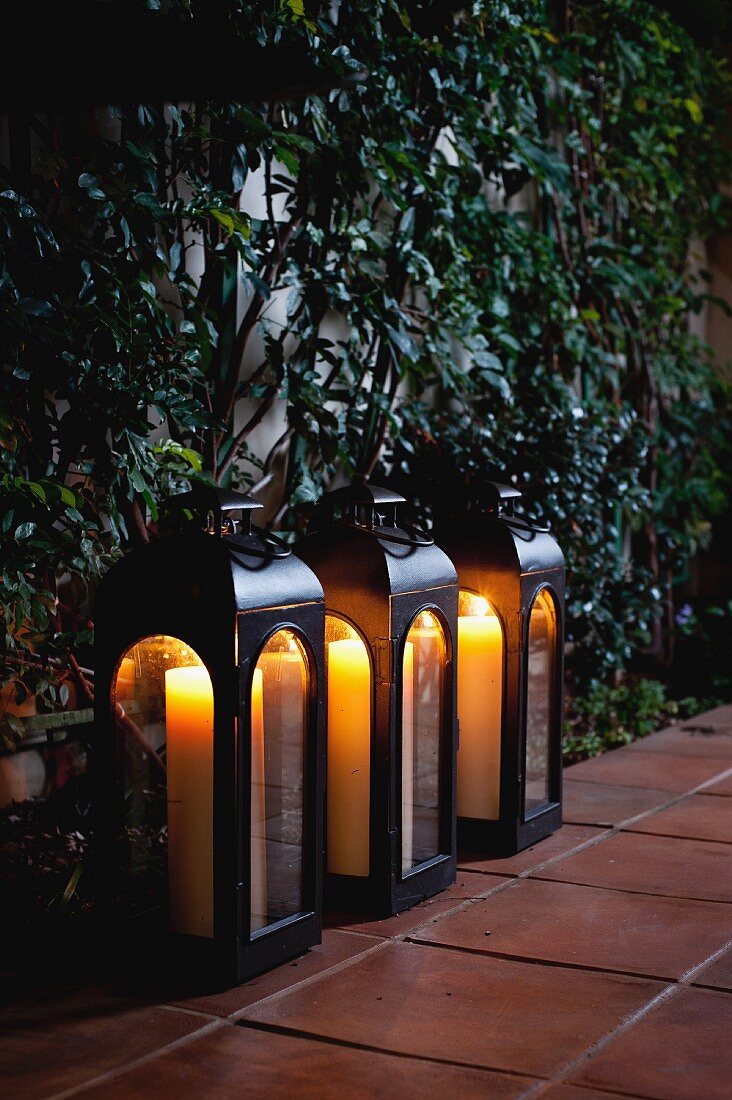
189 761
480 691
408 758
125 683
349 757
258 824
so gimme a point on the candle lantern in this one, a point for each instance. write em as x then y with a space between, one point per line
391 616
510 687
210 713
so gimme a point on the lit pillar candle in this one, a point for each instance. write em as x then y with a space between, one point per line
258 832
480 690
349 757
125 682
189 762
408 758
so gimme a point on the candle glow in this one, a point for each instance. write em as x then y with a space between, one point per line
349 755
480 697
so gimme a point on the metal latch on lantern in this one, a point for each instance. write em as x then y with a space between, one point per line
384 660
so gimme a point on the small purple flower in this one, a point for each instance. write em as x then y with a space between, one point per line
684 614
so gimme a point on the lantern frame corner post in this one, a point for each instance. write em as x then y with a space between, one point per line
510 562
260 949
378 576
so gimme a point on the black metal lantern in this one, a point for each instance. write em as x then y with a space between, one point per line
510 673
391 616
209 708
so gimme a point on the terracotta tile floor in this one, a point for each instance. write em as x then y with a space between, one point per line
596 965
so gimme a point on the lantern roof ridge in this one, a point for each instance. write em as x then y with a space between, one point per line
227 500
363 492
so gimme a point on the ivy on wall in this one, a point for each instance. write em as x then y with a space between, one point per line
475 262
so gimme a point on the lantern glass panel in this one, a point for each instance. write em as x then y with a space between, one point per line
349 749
163 705
480 702
278 726
539 701
423 675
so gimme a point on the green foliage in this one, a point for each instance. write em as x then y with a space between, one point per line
476 262
607 717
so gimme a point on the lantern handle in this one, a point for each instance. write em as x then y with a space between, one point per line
407 535
273 547
499 501
372 511
211 503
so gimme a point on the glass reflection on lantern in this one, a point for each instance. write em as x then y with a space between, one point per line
165 713
278 720
423 666
539 701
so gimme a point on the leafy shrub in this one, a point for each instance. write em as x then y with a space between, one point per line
474 263
607 717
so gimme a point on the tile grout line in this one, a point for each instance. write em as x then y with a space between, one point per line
236 1017
118 1071
630 890
312 979
353 1044
679 836
673 989
556 964
401 937
718 777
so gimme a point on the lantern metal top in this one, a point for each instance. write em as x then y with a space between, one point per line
498 497
214 507
372 510
215 565
357 544
484 516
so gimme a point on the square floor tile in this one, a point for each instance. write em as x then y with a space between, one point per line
661 771
718 718
687 741
679 1051
52 1043
479 1011
651 864
719 974
603 804
466 886
235 1063
586 926
563 840
700 817
336 947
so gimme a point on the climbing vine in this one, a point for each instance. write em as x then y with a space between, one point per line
476 261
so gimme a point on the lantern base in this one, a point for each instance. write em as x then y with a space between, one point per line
506 838
147 955
392 895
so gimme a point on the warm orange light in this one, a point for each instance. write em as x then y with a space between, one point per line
189 757
349 754
480 697
477 607
258 854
